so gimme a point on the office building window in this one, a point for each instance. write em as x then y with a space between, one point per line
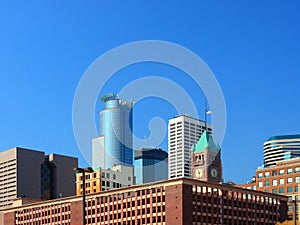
297 169
281 190
297 179
254 187
267 174
290 190
290 180
274 182
281 181
274 172
267 183
274 191
296 188
281 172
260 184
289 170
260 175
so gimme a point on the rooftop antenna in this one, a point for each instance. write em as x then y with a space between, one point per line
205 114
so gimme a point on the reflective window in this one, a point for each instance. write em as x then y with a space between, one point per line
267 174
281 181
274 182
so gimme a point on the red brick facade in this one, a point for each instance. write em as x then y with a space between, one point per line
174 202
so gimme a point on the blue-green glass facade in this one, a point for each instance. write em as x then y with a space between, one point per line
115 142
150 165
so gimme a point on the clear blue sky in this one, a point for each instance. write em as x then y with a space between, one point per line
251 46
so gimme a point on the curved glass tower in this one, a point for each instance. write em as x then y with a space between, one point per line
114 145
283 147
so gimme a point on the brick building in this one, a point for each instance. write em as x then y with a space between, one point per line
282 178
174 202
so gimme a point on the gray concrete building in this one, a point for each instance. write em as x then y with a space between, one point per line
31 174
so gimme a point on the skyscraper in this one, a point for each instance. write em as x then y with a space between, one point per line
150 164
30 174
114 145
283 147
183 132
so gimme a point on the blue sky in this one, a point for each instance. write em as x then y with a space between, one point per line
251 46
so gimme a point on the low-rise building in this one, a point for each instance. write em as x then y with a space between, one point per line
106 179
179 201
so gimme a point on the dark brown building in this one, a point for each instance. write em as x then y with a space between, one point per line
180 201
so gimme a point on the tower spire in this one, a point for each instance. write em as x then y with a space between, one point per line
205 114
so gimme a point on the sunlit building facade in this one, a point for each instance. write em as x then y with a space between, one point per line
183 132
106 179
178 201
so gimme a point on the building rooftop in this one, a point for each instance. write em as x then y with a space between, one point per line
283 137
107 97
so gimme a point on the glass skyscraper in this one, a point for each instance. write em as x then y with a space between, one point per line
114 145
282 147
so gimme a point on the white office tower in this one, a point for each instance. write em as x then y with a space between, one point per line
183 132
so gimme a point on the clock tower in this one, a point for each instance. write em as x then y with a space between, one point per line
206 160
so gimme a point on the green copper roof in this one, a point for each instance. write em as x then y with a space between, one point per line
205 141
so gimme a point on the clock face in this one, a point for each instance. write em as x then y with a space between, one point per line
214 172
199 173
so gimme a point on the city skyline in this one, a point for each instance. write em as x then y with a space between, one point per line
252 48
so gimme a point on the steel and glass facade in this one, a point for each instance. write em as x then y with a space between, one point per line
114 145
278 148
150 164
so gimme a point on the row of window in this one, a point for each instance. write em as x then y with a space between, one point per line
281 182
280 172
284 190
